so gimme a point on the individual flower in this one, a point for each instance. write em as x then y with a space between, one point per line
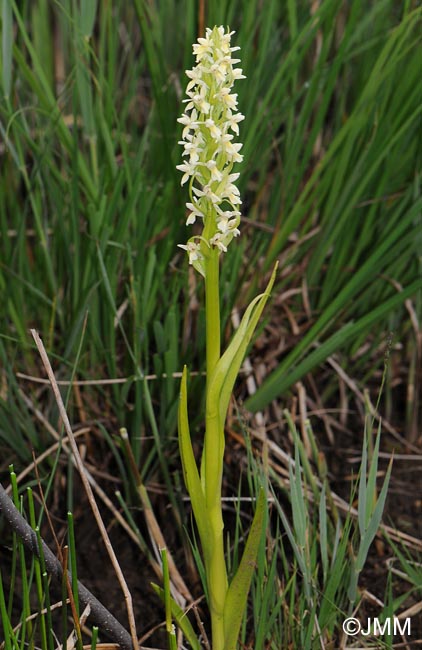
210 123
193 250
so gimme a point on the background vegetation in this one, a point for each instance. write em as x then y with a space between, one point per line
92 210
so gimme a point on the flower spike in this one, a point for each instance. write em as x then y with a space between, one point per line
211 121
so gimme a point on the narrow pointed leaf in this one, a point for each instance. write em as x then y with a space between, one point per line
227 369
375 521
87 16
237 594
7 46
371 488
220 388
362 515
298 502
190 470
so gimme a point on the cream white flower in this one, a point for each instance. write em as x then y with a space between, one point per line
224 96
203 48
194 146
233 120
208 193
211 122
194 251
231 150
226 225
218 240
195 211
188 170
189 121
198 99
195 75
215 131
228 190
216 174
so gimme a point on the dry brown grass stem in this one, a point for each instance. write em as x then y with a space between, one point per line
102 382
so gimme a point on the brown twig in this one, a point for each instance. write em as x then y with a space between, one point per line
99 614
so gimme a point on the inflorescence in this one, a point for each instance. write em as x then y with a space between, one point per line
210 121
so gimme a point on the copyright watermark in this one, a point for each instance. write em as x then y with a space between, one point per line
377 627
351 626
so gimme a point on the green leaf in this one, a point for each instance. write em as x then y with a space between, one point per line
220 389
171 633
371 488
87 16
190 470
323 537
181 619
227 369
7 45
299 509
237 594
374 522
362 513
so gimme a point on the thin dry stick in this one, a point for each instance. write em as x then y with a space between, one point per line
87 487
105 382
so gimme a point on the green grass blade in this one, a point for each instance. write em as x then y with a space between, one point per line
5 620
237 594
181 618
7 45
88 12
287 374
375 520
94 638
171 634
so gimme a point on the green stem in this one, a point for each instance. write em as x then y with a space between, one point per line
214 451
217 582
212 311
214 437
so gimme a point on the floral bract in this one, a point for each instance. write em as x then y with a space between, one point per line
210 123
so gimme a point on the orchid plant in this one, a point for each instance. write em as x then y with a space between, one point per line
211 122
